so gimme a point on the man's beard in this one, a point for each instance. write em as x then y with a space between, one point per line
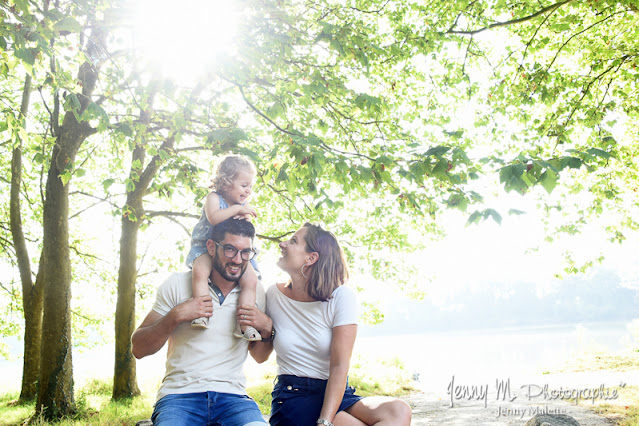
221 269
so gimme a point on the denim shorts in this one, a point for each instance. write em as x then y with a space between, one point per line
207 408
297 401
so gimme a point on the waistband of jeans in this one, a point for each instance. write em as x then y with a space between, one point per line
288 379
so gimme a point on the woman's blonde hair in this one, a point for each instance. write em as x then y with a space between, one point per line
227 171
330 270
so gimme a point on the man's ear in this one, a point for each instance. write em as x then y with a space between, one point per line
312 258
210 246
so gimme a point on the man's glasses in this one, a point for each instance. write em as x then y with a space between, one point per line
230 252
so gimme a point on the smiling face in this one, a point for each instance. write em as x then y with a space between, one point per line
240 188
294 253
229 269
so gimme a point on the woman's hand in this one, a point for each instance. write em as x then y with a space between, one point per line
252 316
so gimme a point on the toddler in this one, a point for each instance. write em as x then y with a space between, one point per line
231 189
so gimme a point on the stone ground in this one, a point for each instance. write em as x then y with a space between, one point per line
433 407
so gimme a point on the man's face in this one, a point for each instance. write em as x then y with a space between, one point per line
230 269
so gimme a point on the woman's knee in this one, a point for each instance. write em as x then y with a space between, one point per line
398 411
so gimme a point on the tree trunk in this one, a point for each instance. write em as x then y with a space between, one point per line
124 376
55 396
55 393
31 294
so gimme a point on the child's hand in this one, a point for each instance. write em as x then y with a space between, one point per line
246 213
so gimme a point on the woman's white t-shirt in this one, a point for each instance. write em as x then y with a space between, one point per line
304 330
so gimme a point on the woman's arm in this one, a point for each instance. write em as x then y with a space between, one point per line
341 351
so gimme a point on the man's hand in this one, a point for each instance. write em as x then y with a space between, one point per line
195 307
252 316
155 330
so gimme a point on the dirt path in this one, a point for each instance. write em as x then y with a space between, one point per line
475 404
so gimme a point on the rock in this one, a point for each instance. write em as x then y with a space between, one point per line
552 420
146 422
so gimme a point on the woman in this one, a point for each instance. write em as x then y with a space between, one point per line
315 317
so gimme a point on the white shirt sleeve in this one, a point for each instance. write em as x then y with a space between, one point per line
168 296
345 306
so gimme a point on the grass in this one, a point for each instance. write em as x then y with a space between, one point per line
95 407
604 361
625 409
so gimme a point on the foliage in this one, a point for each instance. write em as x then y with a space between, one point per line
372 117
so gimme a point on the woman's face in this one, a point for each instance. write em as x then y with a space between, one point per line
294 253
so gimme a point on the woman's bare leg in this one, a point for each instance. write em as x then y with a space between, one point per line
381 411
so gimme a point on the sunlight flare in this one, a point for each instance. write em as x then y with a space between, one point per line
182 39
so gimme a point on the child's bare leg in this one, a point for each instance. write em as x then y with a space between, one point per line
201 271
248 285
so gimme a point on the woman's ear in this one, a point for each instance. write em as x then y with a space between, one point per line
312 258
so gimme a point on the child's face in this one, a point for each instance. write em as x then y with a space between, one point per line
240 188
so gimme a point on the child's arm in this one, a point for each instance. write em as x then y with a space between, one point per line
216 215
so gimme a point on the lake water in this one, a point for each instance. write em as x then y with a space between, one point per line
485 355
476 356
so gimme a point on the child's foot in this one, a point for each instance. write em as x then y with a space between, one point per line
251 334
202 322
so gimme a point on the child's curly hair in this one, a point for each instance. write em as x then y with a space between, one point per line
228 169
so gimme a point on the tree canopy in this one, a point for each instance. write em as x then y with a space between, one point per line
377 112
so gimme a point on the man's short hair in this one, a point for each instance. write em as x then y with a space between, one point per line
239 227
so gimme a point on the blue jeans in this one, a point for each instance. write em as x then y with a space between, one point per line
207 408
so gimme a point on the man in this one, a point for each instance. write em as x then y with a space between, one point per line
204 381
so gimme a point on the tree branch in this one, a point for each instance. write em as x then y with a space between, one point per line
169 214
573 36
261 114
276 239
587 90
511 22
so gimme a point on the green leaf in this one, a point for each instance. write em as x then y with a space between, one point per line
493 214
129 184
510 176
475 217
27 56
125 129
69 24
72 103
107 183
65 177
599 153
38 158
572 162
548 180
437 151
22 5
